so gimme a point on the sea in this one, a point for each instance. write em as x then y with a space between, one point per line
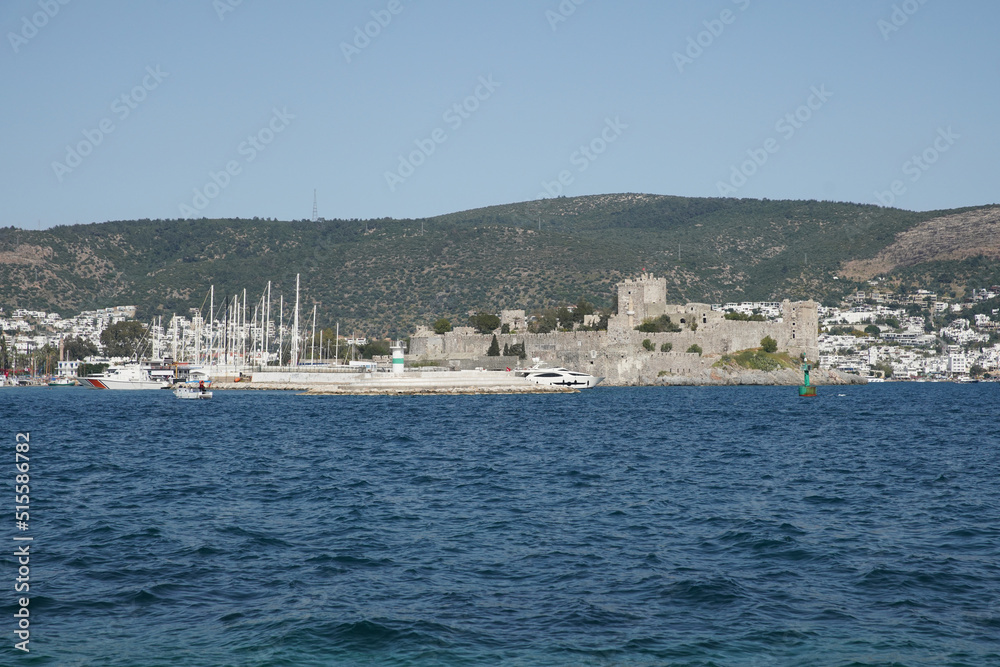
617 526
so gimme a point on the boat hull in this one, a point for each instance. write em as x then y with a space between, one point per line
561 377
191 394
108 383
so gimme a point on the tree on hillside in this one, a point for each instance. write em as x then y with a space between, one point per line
543 323
494 350
123 339
376 348
484 322
78 349
582 308
564 317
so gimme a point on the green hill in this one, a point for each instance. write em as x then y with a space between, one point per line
385 276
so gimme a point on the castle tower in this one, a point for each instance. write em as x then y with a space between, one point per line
638 299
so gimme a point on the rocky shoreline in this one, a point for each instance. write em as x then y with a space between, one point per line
783 377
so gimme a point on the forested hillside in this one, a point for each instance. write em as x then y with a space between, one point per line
385 276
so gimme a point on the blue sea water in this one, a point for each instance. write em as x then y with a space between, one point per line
618 526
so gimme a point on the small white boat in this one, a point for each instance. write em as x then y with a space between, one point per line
558 377
192 393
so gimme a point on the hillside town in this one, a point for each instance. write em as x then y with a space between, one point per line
877 334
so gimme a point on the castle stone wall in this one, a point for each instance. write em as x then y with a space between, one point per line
618 355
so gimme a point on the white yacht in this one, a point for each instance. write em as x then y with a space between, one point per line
559 377
129 376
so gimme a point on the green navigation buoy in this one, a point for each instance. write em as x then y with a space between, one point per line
806 389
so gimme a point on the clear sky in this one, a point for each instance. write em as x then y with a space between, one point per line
134 109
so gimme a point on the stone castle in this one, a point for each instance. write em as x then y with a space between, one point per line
618 353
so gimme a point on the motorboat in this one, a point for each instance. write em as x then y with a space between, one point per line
129 376
196 386
189 392
558 377
62 382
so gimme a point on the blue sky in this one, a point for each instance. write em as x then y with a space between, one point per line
227 108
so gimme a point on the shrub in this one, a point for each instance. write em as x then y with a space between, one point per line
661 324
494 350
768 344
743 317
695 349
442 326
666 347
648 344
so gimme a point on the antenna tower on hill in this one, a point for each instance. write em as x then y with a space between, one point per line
315 210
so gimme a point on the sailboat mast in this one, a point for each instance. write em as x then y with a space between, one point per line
211 318
312 353
295 326
243 331
267 325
